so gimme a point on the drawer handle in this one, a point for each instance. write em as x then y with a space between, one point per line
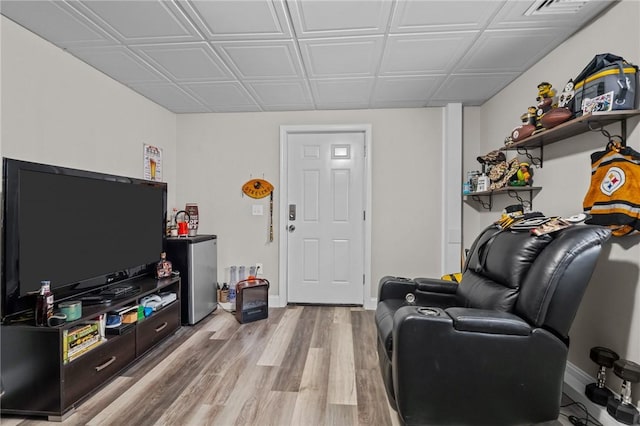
106 364
159 329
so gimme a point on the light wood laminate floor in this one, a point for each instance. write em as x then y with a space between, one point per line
303 366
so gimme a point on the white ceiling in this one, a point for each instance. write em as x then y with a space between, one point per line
274 55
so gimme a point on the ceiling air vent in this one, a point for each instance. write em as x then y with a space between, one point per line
555 7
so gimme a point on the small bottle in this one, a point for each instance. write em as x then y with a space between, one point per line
232 295
233 280
466 188
172 230
483 183
224 293
163 268
44 304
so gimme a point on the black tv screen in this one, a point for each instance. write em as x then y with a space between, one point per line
77 229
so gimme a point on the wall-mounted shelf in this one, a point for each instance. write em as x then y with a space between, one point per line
571 128
511 191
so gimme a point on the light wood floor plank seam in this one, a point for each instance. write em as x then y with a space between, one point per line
290 371
311 402
275 349
342 379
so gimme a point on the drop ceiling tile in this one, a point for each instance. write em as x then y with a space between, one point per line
342 92
254 60
507 50
443 15
342 57
513 14
184 62
472 89
57 22
431 53
170 96
320 18
222 96
409 91
238 20
119 63
140 21
281 95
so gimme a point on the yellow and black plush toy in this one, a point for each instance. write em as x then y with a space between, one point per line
524 176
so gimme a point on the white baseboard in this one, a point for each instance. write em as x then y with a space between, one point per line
370 305
575 381
275 302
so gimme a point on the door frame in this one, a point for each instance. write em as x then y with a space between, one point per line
285 131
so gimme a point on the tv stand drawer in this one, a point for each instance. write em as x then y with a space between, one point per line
156 327
88 372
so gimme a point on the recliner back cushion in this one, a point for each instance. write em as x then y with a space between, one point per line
551 294
497 267
473 259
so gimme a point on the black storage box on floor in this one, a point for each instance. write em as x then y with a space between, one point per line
252 300
607 73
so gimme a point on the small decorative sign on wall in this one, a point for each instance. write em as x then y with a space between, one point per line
152 166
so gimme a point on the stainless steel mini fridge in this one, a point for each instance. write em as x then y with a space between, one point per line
196 259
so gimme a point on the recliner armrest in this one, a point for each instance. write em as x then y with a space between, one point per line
436 292
435 285
485 321
395 288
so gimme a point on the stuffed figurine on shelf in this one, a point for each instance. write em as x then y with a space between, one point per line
524 176
545 98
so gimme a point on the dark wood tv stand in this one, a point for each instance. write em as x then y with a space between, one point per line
35 379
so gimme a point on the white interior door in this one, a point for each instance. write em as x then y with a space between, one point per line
325 202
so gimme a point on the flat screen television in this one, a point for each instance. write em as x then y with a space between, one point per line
78 229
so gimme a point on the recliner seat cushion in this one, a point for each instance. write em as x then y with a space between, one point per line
482 293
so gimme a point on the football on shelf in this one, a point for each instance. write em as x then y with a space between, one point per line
554 117
522 132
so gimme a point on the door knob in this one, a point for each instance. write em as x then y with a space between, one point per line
292 228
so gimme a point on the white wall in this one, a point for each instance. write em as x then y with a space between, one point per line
58 110
610 311
218 153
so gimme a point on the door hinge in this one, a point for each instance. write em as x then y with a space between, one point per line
362 279
364 215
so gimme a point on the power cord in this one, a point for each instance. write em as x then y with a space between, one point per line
576 421
581 421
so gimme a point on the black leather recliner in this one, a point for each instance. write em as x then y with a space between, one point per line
491 350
